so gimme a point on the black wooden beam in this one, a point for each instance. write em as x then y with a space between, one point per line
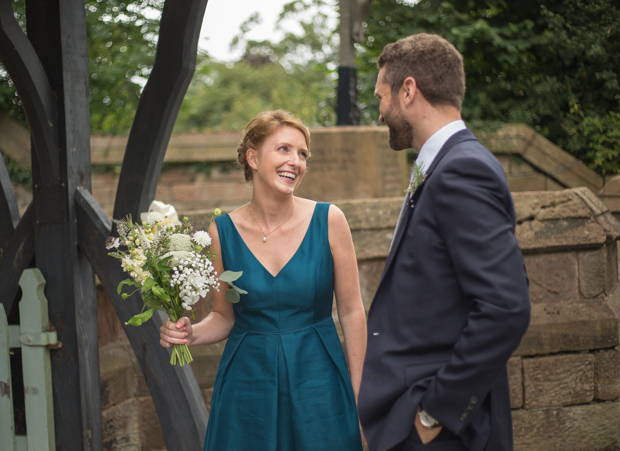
16 257
57 32
159 105
175 392
76 158
9 213
24 67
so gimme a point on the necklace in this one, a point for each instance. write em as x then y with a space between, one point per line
265 235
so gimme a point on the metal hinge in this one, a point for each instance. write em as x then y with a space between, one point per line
48 339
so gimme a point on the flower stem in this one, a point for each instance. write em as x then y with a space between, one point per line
181 355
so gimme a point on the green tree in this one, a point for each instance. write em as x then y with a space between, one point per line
553 64
122 37
296 73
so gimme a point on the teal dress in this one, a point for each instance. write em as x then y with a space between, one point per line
282 383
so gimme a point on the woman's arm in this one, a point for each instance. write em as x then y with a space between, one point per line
216 326
348 298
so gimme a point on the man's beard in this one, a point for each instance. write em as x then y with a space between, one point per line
400 131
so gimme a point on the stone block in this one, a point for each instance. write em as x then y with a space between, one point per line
370 273
612 202
153 437
607 375
549 158
207 394
121 427
532 182
351 163
560 235
206 361
518 167
610 224
366 214
611 279
175 176
185 192
592 427
597 206
120 375
371 244
592 272
552 185
109 327
553 277
558 380
565 328
528 205
504 160
612 185
515 380
573 207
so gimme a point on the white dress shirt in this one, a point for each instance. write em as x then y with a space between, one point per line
433 145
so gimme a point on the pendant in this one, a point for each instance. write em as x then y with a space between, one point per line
264 239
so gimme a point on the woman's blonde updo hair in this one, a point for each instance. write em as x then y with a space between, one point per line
260 128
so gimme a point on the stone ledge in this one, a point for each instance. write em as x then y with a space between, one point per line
592 427
575 327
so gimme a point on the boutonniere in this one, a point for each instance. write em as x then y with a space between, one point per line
417 177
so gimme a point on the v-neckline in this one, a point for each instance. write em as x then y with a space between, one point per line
290 259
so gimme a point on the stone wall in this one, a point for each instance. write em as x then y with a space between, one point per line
565 375
346 163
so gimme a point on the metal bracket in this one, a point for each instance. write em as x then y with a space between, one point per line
47 339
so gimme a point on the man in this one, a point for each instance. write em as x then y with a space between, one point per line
452 303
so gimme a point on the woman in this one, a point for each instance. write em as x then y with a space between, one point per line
282 383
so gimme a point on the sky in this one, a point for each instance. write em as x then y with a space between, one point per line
223 19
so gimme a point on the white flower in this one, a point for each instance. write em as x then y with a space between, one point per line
177 257
154 217
202 238
112 242
181 242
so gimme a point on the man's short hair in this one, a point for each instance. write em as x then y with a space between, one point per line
434 63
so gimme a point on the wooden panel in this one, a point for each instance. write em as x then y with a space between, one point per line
33 87
162 96
177 398
16 257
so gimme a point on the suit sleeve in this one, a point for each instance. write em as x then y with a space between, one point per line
474 214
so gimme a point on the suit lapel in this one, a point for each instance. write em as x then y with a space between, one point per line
406 213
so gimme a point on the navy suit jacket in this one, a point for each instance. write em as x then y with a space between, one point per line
450 309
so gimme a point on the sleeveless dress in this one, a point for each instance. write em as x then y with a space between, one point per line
282 383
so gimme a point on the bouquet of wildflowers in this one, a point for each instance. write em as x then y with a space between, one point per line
170 264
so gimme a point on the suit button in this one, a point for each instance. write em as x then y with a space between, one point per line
464 417
473 400
371 378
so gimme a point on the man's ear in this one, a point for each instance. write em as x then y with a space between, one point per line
408 91
252 157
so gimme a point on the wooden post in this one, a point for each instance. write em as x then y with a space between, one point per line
57 31
352 14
